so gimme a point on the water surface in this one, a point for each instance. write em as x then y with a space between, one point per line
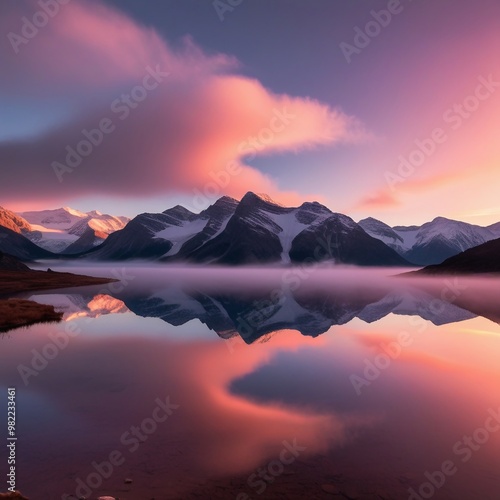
260 383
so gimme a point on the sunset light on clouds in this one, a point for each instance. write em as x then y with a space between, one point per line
198 119
250 249
207 122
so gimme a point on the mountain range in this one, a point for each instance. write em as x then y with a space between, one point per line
481 259
252 231
255 230
61 231
65 230
434 241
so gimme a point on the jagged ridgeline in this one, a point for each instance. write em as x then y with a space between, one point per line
252 231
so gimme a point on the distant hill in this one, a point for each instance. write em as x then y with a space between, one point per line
17 245
434 241
9 263
484 258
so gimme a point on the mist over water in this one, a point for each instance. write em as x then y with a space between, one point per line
375 376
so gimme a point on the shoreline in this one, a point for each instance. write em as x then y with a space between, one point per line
14 282
17 313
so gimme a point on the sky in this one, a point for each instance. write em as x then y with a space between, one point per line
386 109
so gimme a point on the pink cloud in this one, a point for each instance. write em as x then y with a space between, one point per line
201 126
90 45
386 197
382 198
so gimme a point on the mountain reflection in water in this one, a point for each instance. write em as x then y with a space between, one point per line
256 358
311 304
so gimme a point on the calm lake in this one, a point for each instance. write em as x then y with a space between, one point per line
259 383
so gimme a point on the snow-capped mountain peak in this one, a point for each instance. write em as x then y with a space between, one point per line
59 218
432 242
73 211
13 221
380 230
251 231
58 229
265 197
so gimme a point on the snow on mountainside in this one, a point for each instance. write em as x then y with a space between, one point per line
253 231
54 240
408 237
175 232
60 218
19 246
382 231
432 242
495 229
461 234
178 235
56 230
290 228
482 259
98 222
14 222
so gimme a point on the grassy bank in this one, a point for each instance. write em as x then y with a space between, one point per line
15 313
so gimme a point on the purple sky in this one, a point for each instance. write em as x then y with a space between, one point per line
290 98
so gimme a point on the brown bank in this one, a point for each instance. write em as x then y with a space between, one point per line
16 277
